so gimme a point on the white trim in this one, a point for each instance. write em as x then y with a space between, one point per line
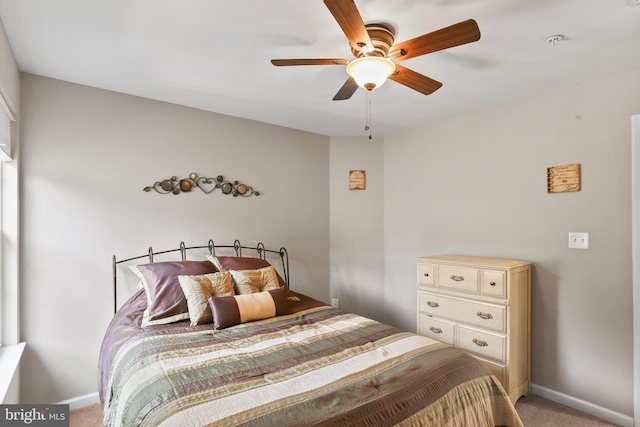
583 406
81 401
10 356
9 250
635 260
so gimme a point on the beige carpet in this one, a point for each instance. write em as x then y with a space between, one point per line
534 411
89 416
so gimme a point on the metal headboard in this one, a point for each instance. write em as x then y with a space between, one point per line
237 247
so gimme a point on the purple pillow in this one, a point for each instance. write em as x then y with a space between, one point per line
166 302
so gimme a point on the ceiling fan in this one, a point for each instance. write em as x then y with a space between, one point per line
375 51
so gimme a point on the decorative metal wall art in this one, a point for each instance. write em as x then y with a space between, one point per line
207 185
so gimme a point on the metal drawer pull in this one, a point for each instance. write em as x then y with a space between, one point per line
480 343
433 304
492 283
485 316
426 274
435 330
457 278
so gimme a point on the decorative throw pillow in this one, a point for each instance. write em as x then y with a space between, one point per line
198 289
233 310
252 281
227 263
166 302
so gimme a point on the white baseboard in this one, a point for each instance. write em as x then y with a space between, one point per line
583 406
81 401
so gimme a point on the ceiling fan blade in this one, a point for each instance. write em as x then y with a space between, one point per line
317 61
349 19
455 35
347 89
415 81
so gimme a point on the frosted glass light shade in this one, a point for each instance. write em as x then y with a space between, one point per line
370 72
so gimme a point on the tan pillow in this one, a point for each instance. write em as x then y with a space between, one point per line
252 281
228 263
198 289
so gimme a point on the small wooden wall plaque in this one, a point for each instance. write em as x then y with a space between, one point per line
561 179
357 180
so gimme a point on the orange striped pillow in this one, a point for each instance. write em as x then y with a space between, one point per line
237 309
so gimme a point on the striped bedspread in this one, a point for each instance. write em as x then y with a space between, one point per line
319 366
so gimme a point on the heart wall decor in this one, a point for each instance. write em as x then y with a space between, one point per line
174 185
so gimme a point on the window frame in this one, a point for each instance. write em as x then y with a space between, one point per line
9 300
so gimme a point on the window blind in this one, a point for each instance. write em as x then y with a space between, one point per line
6 117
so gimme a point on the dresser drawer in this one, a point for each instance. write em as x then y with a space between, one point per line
426 274
494 283
486 344
485 315
437 329
460 278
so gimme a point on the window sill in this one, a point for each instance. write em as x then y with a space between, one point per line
10 356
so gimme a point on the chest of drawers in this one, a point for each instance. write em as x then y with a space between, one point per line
481 305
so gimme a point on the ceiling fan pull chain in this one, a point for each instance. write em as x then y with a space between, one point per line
367 125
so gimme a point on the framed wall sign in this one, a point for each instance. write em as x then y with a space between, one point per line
561 179
357 180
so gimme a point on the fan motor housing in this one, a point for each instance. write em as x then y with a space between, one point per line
382 38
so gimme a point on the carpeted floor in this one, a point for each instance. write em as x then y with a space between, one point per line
534 411
89 416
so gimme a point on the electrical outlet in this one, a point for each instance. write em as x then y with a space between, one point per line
335 302
578 240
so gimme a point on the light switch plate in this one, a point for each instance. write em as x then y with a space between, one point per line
578 240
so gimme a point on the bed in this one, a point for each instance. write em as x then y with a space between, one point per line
261 354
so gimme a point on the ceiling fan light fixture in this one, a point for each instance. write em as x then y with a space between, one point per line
370 72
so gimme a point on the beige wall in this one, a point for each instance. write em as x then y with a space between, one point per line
87 155
357 222
476 185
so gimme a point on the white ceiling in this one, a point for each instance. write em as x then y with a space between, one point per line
214 55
